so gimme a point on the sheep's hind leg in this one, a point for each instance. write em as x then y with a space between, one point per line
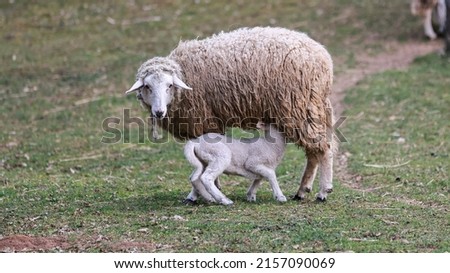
326 175
198 189
217 183
251 193
270 175
192 197
210 175
308 176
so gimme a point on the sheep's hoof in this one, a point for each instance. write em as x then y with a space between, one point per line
298 197
190 202
251 198
321 199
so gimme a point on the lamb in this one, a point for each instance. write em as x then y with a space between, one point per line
424 9
254 158
234 79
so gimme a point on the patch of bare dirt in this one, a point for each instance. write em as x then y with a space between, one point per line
397 56
24 243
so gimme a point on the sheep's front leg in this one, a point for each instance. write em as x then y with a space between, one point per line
308 176
251 193
270 175
326 175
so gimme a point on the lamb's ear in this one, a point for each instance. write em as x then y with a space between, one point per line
260 125
138 84
179 83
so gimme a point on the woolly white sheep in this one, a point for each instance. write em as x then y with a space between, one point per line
254 158
276 75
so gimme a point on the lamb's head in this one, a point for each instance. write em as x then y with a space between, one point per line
157 81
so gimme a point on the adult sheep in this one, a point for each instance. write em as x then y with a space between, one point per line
276 75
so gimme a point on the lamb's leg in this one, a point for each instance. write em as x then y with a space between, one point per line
198 189
427 24
212 172
270 175
251 193
197 186
208 181
217 183
326 175
309 173
192 197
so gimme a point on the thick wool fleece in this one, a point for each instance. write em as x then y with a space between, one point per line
277 75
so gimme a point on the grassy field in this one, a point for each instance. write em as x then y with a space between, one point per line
66 65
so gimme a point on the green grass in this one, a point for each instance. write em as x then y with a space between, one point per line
67 63
398 136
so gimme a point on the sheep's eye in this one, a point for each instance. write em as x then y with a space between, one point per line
170 85
139 96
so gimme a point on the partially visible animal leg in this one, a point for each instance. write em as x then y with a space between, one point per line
251 193
198 189
326 175
309 173
210 175
427 24
217 183
270 175
441 11
192 197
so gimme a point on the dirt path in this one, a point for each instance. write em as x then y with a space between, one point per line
397 56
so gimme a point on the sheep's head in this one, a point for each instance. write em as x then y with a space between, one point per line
156 91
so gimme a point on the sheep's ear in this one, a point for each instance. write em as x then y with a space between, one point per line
138 84
179 83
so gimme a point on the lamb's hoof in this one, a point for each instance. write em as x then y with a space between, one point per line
298 197
227 202
281 198
190 202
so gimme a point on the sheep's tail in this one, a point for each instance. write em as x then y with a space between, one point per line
189 153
